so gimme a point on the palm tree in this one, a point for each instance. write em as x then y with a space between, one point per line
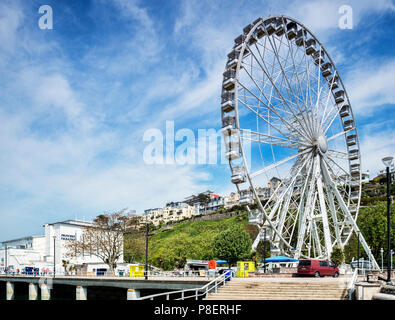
205 199
65 263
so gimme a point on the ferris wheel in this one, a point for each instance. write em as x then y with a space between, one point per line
291 139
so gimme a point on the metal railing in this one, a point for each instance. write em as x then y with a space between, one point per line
125 274
195 292
351 287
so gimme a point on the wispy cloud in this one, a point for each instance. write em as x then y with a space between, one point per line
376 145
372 86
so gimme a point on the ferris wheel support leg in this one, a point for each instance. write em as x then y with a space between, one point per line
324 214
283 213
348 215
307 212
256 241
334 218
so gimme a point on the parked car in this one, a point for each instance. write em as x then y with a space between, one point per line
317 268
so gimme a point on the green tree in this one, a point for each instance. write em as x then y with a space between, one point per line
372 221
337 256
134 249
232 244
204 199
260 250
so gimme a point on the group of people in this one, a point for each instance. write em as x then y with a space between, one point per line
26 271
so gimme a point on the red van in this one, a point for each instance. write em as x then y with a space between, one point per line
317 268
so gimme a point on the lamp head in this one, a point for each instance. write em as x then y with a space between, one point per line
387 161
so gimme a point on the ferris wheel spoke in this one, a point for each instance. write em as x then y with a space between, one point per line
333 119
307 59
324 115
281 196
305 134
270 106
275 49
326 159
260 141
319 88
286 123
286 79
337 154
261 91
337 135
274 165
267 139
260 116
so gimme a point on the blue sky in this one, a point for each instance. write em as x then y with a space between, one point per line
76 100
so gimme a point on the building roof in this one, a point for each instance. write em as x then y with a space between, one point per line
280 259
22 238
74 222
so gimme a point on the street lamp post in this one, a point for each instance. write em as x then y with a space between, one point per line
358 250
382 259
5 260
146 251
54 256
264 252
388 162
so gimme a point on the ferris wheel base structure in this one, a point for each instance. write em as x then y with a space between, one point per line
283 98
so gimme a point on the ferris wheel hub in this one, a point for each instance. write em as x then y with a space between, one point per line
322 144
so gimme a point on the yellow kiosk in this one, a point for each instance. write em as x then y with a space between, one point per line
136 270
244 267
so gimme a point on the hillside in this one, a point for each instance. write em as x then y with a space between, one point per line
170 247
190 240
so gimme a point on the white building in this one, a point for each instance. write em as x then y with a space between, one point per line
231 200
215 203
39 251
174 211
21 252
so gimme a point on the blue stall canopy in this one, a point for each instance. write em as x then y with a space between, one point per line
280 259
222 262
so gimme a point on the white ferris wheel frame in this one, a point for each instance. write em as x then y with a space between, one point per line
317 165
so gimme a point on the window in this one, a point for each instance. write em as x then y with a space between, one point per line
304 262
323 264
331 264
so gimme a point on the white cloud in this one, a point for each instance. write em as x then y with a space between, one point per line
324 15
375 145
10 20
371 85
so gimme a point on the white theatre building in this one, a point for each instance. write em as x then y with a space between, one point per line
38 251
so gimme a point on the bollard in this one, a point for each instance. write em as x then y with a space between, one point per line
81 293
133 294
33 291
45 292
9 291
